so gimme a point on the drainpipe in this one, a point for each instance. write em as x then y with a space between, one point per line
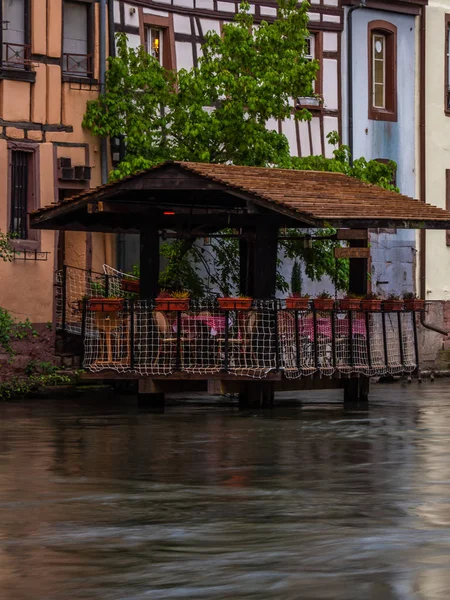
350 74
111 32
102 76
104 140
422 169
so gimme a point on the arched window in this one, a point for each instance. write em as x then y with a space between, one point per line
382 38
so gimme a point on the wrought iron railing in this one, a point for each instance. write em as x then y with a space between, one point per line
80 65
17 56
139 337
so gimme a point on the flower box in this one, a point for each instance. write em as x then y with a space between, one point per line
297 303
235 303
102 304
414 304
350 304
323 303
392 305
371 304
168 304
130 285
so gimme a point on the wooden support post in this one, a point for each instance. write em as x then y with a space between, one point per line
149 261
261 274
244 264
358 280
256 394
150 396
214 387
264 265
356 393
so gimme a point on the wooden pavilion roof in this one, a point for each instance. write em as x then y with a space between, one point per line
220 195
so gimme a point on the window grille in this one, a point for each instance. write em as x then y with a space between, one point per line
19 193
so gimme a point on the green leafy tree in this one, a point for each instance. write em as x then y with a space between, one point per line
246 76
218 112
6 250
296 278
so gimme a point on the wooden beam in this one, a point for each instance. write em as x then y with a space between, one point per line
358 276
264 267
352 234
149 261
351 252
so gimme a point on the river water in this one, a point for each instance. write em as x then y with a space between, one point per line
99 501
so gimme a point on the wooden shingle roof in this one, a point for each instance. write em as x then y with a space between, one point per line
313 198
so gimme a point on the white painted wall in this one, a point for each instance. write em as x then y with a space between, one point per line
437 147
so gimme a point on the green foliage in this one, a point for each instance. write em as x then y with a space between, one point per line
39 366
12 329
369 171
247 75
181 272
221 262
98 289
317 256
296 278
18 387
6 250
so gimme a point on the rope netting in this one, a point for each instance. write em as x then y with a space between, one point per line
202 340
369 343
205 339
72 285
251 343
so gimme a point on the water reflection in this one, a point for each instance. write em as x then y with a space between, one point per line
211 503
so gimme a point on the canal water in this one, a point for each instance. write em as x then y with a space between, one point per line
99 501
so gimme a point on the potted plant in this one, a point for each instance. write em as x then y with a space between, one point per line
235 303
297 302
178 300
393 303
130 285
324 301
412 302
371 301
350 302
99 304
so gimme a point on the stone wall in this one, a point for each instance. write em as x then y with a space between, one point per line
39 348
434 348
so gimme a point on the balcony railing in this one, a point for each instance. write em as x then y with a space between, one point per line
79 65
16 56
137 337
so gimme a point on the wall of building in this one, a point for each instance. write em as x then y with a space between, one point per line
46 115
437 147
393 253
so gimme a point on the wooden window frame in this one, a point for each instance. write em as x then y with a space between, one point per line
166 25
447 66
389 31
79 77
303 102
18 73
33 241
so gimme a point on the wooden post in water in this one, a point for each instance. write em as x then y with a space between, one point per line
356 391
150 395
261 258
